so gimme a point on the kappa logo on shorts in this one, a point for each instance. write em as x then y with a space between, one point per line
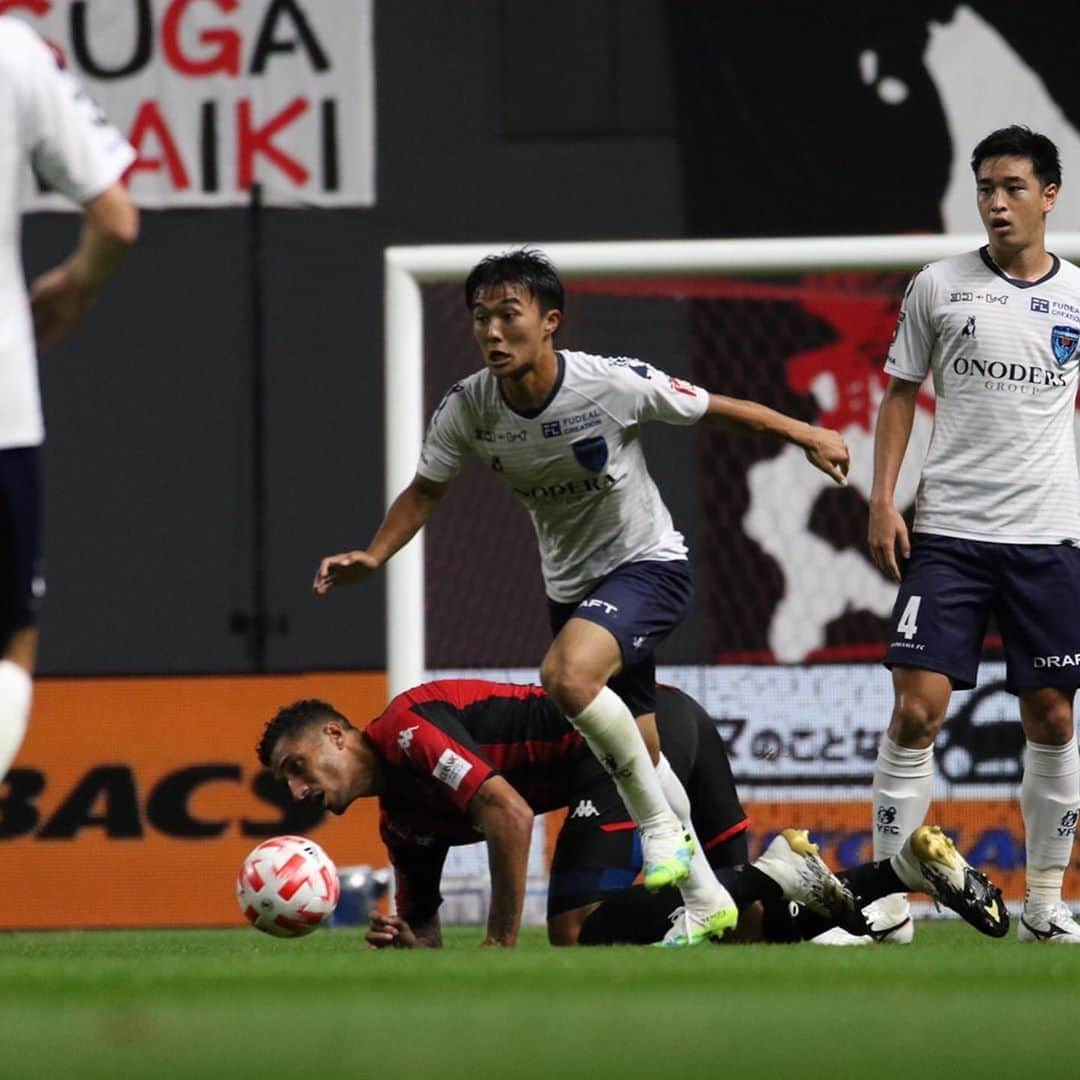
1064 340
585 809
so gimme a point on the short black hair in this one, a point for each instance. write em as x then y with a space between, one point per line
528 267
1020 141
293 719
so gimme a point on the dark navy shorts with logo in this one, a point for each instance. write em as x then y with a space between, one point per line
598 850
949 590
20 540
640 604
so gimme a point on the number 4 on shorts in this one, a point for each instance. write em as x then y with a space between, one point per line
908 625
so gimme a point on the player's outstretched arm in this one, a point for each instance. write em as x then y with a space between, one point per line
887 533
406 516
825 449
506 821
59 297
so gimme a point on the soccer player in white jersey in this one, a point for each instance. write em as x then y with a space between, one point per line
997 521
562 428
47 122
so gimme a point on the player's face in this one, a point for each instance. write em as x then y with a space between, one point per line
510 329
1012 203
318 766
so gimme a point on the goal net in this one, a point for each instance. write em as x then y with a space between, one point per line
790 615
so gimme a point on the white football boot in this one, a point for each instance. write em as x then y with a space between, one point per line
929 862
1052 924
795 864
888 920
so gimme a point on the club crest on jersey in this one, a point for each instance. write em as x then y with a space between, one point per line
592 453
1064 340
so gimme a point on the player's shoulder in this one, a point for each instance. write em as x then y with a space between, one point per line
22 48
592 369
1068 272
469 393
942 271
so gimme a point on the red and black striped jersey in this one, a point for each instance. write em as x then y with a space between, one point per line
437 743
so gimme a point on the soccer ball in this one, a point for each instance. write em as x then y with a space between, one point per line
287 886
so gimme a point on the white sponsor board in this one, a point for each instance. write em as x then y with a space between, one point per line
217 94
798 732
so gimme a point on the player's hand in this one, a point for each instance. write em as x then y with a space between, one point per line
58 301
389 932
827 451
345 569
887 535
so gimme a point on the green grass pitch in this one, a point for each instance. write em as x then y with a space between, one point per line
233 1003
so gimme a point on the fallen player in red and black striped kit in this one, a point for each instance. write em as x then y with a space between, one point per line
455 760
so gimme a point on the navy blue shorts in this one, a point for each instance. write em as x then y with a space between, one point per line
949 590
640 604
21 581
598 850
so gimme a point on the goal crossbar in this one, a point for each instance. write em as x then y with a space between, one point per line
407 268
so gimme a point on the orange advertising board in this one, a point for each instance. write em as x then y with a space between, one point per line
133 801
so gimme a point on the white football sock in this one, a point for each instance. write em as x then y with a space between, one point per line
609 728
1049 799
16 692
701 892
903 783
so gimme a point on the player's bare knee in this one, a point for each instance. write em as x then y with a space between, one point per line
571 687
915 722
563 932
1048 721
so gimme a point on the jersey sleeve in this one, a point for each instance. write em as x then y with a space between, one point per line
417 873
646 393
446 444
438 747
71 143
913 339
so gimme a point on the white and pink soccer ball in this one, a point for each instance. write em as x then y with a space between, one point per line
287 886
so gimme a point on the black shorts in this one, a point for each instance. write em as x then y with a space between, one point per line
22 585
598 850
951 587
639 604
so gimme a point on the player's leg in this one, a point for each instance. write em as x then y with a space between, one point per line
1040 595
939 620
598 854
1050 803
607 636
19 554
575 672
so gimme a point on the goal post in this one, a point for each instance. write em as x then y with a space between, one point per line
407 269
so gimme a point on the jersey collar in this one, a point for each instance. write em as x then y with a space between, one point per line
1055 265
532 414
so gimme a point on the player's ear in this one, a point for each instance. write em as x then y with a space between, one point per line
335 733
1050 194
551 320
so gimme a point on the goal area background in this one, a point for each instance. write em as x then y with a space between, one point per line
789 623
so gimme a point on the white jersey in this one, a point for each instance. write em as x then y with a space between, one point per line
1004 355
576 463
47 121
